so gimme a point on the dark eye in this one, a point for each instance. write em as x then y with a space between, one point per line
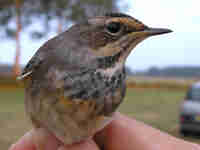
113 27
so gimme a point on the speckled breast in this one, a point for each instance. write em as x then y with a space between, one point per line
83 105
107 91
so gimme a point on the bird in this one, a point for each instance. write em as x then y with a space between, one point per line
76 81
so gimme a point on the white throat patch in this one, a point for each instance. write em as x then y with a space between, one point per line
109 72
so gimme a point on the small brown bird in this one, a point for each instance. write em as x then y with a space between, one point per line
76 81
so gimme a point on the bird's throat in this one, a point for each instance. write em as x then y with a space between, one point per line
111 71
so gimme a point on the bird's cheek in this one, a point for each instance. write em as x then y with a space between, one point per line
138 35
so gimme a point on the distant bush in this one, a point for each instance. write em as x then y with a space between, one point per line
153 82
173 71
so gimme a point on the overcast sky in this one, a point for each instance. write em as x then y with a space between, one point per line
182 47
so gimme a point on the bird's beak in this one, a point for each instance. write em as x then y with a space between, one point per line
157 31
148 32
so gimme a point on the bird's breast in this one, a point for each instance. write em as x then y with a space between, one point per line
80 105
105 87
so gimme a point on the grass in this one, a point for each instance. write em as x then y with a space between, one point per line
155 107
13 122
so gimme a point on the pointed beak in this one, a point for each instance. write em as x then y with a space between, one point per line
157 31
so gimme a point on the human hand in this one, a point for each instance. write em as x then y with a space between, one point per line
121 133
27 142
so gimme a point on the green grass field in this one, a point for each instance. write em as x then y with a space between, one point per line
156 107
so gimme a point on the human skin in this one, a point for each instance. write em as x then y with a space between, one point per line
122 133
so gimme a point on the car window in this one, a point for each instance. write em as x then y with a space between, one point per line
189 94
195 94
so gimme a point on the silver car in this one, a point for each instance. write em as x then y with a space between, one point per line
190 111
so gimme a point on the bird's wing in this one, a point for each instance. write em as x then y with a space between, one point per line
40 57
32 65
61 51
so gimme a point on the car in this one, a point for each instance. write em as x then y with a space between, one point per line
190 111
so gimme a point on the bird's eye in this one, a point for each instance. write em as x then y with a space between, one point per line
113 27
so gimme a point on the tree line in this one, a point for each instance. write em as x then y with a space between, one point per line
173 71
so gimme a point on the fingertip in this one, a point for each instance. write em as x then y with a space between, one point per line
43 138
36 138
25 143
117 134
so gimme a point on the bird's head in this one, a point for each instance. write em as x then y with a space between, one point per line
113 33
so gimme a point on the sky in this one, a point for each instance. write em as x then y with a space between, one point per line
180 48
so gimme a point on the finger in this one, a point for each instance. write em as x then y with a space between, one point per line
118 135
25 143
44 140
86 145
127 133
36 138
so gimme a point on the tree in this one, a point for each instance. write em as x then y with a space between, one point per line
16 68
64 11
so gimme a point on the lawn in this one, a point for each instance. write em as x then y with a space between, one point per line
155 107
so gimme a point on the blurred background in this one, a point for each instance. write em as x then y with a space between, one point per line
160 70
